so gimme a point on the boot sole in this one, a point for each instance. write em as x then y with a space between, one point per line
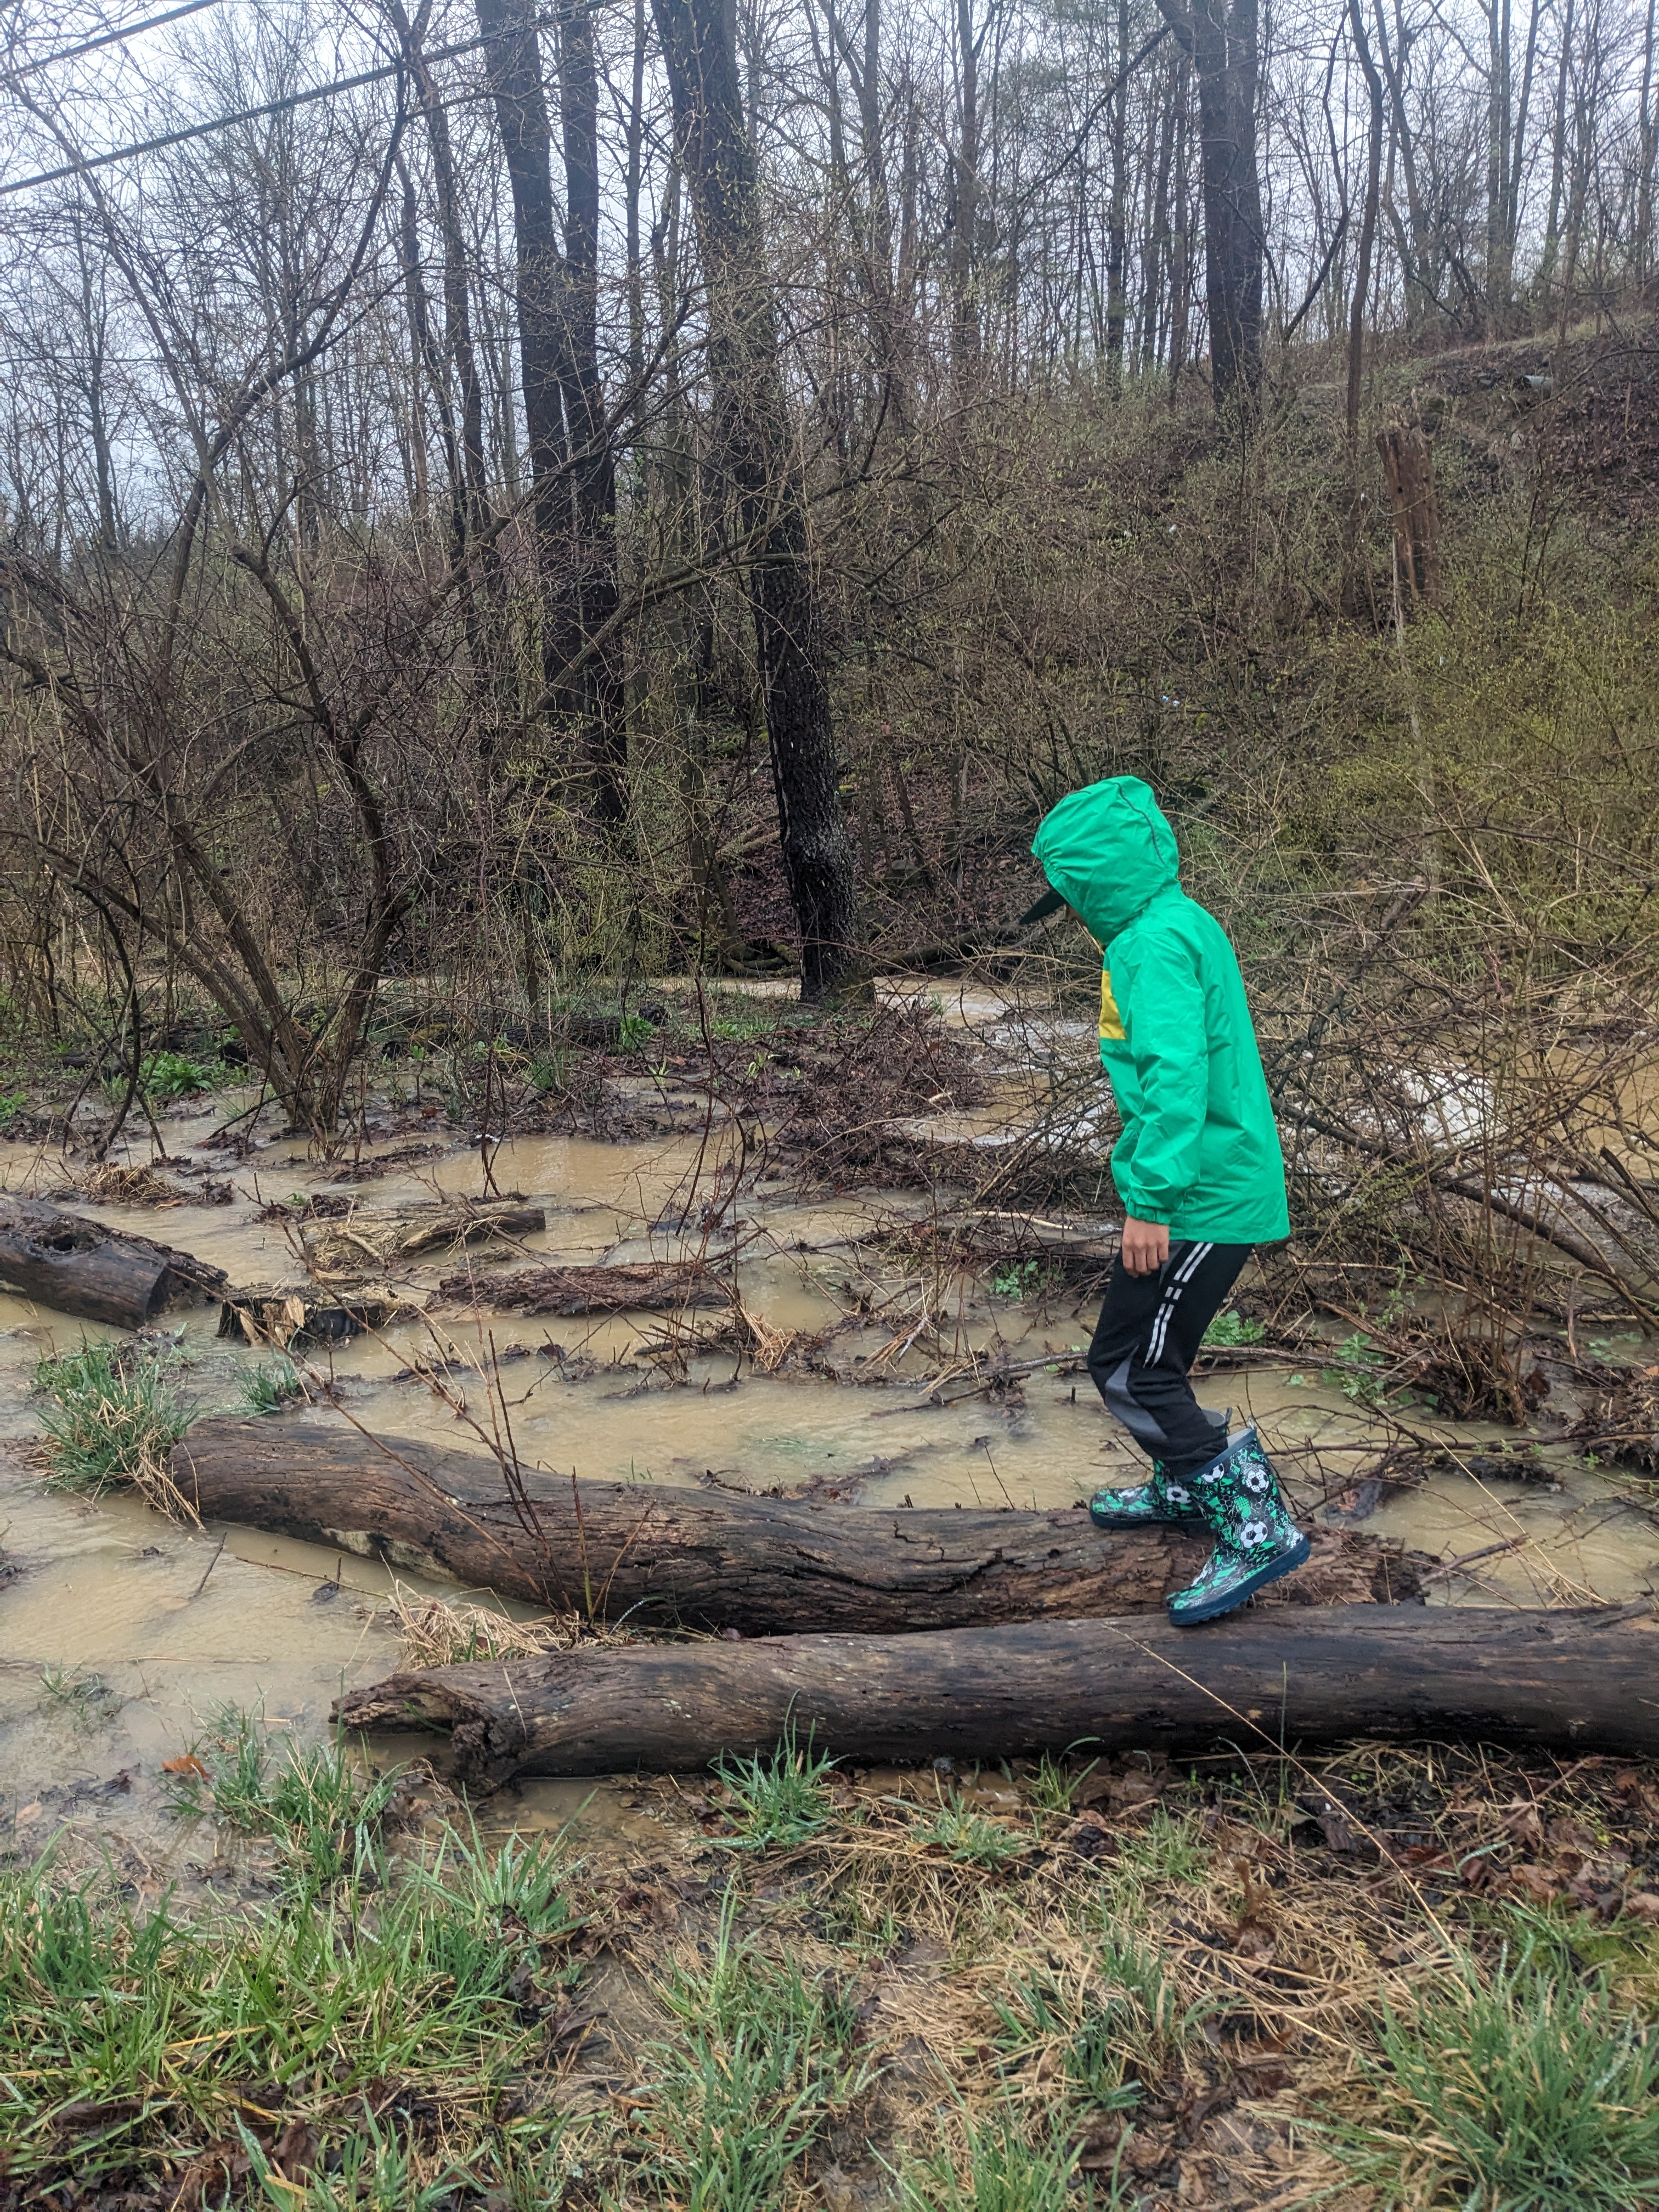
1213 1608
1190 1522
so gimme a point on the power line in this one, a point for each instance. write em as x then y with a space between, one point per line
112 38
282 106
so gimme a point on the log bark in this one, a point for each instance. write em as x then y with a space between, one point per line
708 1559
1573 1681
79 1266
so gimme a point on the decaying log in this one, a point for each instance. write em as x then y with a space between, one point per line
366 1243
81 1267
649 1287
1574 1681
710 1558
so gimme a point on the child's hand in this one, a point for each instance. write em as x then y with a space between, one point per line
1146 1245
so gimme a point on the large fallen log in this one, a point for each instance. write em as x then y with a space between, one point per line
81 1267
1573 1681
709 1558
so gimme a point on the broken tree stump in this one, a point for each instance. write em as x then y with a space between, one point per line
81 1267
710 1558
1576 1682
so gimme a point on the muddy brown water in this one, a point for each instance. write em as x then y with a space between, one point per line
121 1634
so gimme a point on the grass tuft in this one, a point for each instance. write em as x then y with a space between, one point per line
323 1812
271 1386
115 1416
761 2064
1524 2088
1001 2172
777 1798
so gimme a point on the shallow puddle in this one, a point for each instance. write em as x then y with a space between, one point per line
121 1634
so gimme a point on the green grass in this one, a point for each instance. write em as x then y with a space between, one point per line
322 1810
1003 2172
12 1103
1525 2087
130 2037
761 2063
969 1837
1018 1278
116 1414
81 1693
777 1798
271 1386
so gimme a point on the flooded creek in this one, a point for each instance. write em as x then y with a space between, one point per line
121 1634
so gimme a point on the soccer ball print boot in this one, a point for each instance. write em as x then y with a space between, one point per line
1163 1501
1257 1541
1157 1501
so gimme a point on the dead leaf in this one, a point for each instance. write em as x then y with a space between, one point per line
1643 1903
1253 1939
1535 1882
188 1764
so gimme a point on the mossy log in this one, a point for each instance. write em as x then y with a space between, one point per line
710 1558
85 1269
1574 1682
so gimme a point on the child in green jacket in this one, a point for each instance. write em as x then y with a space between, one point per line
1200 1171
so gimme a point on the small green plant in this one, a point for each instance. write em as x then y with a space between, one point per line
1003 2172
1360 1377
1524 2088
633 1032
81 1692
777 1797
1232 1330
1052 1787
116 1414
12 1103
969 1837
550 1072
164 1076
271 1386
1018 1278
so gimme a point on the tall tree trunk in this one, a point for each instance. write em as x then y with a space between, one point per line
754 448
961 217
593 466
1220 38
1117 220
513 63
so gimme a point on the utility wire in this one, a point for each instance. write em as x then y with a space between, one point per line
282 106
112 38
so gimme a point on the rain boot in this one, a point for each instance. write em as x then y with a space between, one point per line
1257 1541
1163 1500
1156 1501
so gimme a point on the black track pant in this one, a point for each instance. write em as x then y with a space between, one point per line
1147 1338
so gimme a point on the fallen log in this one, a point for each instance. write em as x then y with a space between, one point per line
1572 1681
293 1318
646 1287
79 1266
710 1558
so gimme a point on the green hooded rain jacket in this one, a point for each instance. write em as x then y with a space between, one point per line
1199 1149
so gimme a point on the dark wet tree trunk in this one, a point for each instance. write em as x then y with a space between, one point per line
594 469
753 449
1220 38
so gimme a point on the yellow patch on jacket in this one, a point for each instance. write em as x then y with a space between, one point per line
1111 1022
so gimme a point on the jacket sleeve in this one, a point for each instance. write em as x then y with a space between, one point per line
1162 1010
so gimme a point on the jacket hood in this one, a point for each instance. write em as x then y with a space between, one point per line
1109 852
